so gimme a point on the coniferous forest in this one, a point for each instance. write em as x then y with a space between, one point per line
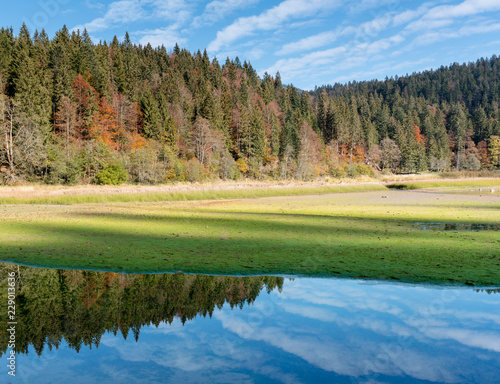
73 111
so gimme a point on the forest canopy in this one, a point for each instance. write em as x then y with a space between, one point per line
72 111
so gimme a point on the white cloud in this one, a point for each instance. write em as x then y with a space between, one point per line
440 35
168 37
332 354
123 11
445 15
313 42
380 45
364 5
343 57
127 11
294 66
485 340
269 20
466 8
90 4
218 10
363 32
409 15
178 10
425 24
374 27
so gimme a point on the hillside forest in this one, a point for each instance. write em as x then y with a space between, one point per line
73 111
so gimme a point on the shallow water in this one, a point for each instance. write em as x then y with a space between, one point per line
91 327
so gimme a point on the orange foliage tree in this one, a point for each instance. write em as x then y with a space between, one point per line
86 104
116 124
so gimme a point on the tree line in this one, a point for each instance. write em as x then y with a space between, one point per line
72 111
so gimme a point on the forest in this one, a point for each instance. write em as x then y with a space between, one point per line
75 111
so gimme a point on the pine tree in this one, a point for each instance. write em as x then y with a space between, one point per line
458 127
63 75
152 125
482 127
6 47
257 133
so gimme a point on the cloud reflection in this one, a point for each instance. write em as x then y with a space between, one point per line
315 330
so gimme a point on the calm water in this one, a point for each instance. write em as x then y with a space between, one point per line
90 327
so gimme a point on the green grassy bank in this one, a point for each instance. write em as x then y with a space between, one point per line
358 234
465 183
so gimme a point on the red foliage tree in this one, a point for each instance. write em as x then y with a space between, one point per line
105 128
86 103
65 121
418 135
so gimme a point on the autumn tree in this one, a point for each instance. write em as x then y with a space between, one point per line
494 150
390 154
86 103
309 157
65 122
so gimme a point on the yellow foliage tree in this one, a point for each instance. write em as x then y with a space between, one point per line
494 150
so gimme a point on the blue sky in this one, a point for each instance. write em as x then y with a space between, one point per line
310 42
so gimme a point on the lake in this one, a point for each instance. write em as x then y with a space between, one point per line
96 327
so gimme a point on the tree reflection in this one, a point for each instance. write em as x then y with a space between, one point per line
80 306
488 291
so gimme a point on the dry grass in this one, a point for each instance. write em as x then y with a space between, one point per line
179 191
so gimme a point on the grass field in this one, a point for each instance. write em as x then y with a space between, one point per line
358 234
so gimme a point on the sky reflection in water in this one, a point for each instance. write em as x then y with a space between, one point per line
315 330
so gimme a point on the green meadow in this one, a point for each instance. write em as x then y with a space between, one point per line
370 235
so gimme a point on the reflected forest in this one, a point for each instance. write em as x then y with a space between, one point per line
80 306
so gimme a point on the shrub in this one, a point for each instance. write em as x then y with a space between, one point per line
337 170
242 165
228 167
112 174
352 170
195 171
364 169
472 163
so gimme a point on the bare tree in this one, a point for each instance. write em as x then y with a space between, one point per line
309 155
7 118
287 161
206 141
65 121
391 154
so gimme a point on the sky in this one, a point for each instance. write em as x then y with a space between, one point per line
310 42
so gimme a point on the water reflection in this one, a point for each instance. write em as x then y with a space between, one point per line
301 330
80 306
